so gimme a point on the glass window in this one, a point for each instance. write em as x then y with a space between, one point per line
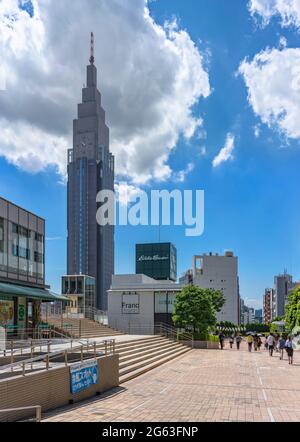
13 245
3 244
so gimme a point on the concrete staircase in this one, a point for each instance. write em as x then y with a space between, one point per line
81 328
141 355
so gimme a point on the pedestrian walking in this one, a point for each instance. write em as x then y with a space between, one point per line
289 349
238 340
250 342
259 342
277 343
282 342
255 342
221 339
231 341
266 344
271 343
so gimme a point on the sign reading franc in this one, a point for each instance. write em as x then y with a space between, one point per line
130 304
83 376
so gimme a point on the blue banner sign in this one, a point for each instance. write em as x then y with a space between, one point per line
83 376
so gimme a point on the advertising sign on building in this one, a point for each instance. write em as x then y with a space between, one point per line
6 312
83 376
130 304
2 339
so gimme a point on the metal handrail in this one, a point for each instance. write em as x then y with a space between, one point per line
38 412
108 344
170 328
12 331
164 330
36 343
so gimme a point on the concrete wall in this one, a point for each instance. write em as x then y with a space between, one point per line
221 273
51 388
131 322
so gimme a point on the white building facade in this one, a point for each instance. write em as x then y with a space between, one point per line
137 302
218 272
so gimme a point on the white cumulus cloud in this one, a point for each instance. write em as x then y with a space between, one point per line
182 174
225 153
287 10
150 77
273 82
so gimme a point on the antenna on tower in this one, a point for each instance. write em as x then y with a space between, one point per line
92 58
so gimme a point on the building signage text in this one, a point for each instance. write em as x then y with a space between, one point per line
130 304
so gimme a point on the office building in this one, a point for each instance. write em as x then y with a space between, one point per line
81 292
137 302
156 260
282 285
220 273
90 169
258 317
267 306
22 268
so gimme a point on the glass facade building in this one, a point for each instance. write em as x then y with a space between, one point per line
22 270
22 247
157 260
81 291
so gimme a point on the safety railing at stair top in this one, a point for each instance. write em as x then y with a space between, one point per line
14 349
63 321
42 331
88 351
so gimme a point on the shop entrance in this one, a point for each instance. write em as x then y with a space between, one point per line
164 307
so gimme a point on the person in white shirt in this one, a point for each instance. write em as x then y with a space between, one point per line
271 343
289 349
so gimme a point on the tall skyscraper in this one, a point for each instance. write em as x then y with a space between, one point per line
90 169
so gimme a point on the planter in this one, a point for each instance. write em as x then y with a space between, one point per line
208 345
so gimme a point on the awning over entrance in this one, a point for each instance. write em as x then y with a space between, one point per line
11 290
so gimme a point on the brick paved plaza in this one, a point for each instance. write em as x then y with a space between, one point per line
203 385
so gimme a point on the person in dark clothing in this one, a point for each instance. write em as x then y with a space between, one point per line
238 340
221 339
289 349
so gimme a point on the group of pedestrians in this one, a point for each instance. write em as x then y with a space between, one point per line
280 344
272 342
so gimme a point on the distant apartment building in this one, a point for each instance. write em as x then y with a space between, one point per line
282 285
247 315
258 317
219 272
267 305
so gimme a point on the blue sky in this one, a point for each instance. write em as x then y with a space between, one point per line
251 200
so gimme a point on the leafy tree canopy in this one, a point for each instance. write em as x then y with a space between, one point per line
259 328
196 307
292 311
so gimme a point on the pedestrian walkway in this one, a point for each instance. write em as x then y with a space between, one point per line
203 386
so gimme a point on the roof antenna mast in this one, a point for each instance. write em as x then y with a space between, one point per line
92 58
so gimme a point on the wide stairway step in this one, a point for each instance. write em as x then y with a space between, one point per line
83 328
140 369
141 355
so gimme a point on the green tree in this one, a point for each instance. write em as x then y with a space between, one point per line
217 298
196 308
292 311
259 328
